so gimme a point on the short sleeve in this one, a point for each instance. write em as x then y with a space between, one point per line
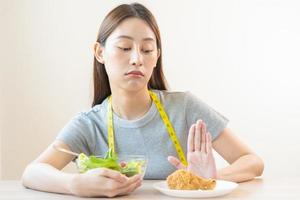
197 109
76 134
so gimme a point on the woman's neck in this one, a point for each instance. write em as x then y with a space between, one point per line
131 105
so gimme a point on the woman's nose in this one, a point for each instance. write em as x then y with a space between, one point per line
136 58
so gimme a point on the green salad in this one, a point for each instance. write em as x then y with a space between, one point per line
110 161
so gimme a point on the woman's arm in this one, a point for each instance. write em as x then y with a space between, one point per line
44 174
244 164
44 177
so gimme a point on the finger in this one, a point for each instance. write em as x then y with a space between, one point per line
135 178
197 138
203 137
130 188
137 182
116 186
112 174
176 162
131 181
191 138
209 142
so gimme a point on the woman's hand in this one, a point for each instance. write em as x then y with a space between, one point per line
103 182
199 157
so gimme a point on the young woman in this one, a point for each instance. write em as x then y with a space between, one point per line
173 129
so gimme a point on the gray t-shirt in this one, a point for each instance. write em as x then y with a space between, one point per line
87 132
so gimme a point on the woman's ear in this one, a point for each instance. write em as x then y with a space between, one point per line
158 53
98 52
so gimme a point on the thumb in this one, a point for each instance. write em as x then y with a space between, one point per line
176 162
108 173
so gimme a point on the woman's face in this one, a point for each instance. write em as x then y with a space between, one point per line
130 54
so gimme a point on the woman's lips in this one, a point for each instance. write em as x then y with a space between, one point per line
135 73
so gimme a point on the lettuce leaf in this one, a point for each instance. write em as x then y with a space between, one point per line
109 161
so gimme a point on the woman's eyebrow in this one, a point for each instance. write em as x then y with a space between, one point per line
131 38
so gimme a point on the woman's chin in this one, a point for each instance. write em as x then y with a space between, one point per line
135 86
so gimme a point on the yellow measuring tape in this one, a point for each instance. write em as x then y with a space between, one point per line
110 128
164 117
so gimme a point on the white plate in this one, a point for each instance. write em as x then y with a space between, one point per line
222 188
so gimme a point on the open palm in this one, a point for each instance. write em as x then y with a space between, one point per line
199 157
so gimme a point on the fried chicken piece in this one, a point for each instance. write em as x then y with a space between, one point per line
184 180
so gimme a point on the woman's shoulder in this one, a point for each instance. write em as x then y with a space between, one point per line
175 97
174 94
90 114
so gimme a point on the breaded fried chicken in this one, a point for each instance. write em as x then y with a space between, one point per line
184 180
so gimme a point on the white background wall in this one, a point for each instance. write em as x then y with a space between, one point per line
241 57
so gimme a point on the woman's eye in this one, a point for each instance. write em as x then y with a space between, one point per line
124 48
147 50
